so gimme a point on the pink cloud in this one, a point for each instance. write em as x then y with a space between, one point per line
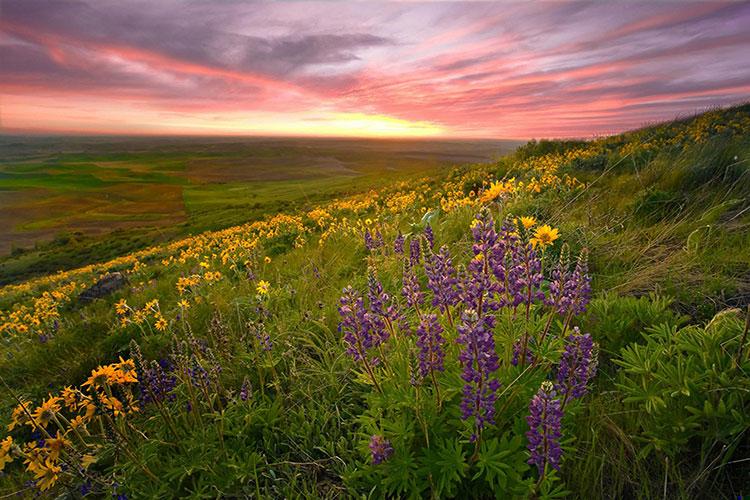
489 69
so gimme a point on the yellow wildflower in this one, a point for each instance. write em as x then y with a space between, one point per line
44 413
262 287
121 307
544 236
161 323
56 445
528 222
5 457
46 474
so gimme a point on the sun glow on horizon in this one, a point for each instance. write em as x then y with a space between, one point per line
86 115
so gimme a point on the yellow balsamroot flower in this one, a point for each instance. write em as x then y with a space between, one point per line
56 445
47 474
184 304
267 259
544 236
161 323
263 287
44 413
121 307
5 457
117 373
20 415
528 222
70 397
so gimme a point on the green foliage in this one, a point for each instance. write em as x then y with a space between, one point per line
618 321
688 385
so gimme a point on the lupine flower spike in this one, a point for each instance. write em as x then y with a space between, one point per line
431 350
545 422
577 366
380 449
479 362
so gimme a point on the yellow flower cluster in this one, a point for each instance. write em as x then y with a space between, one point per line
149 315
38 316
68 422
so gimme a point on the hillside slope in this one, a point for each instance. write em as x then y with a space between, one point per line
569 319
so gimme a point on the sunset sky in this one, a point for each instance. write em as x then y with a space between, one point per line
470 69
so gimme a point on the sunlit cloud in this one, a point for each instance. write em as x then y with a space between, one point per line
376 69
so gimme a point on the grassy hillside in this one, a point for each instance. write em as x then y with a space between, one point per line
571 320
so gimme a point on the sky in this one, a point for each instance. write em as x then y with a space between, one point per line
511 70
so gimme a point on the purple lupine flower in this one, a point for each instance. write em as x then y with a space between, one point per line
476 288
529 280
479 362
379 241
245 389
380 449
369 243
517 348
263 338
415 251
431 345
429 236
157 382
85 488
545 428
398 244
197 374
577 365
441 279
355 324
384 313
411 290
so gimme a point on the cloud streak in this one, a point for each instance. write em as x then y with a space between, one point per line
476 69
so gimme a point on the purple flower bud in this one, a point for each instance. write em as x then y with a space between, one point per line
379 241
429 236
384 313
157 381
479 362
411 290
529 280
431 345
545 423
355 324
380 449
414 252
398 244
476 287
577 365
369 243
441 276
264 339
245 390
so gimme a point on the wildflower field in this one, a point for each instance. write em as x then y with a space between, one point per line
568 321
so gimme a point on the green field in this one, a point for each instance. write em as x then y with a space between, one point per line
67 201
